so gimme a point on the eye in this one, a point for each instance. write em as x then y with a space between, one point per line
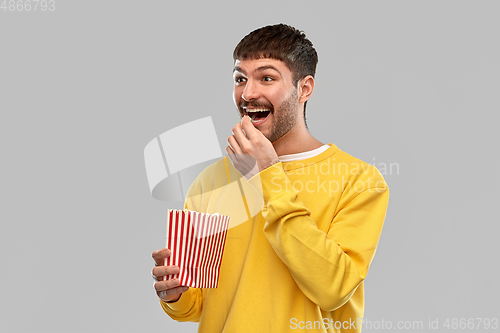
267 79
239 79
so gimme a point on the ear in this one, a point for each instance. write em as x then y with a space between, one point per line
306 87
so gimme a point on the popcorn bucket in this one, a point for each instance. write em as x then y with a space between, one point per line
196 241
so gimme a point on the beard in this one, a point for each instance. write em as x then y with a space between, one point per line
284 116
284 119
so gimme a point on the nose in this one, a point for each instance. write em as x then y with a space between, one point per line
249 92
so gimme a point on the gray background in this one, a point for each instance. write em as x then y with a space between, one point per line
83 89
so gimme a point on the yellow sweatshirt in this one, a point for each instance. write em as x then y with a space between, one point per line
302 236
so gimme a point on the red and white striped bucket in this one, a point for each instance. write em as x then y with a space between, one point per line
196 241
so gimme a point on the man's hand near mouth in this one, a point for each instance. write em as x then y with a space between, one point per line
252 153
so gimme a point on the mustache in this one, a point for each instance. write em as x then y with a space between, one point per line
243 104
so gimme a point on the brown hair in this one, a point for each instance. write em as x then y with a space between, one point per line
280 42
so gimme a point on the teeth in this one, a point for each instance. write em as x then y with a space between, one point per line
252 113
256 110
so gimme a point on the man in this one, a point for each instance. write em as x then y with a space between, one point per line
301 261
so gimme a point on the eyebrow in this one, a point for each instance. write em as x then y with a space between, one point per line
258 69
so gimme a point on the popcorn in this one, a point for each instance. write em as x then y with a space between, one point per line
196 241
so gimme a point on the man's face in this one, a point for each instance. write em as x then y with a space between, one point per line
263 90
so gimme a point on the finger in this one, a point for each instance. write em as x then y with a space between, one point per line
248 127
171 294
167 284
229 150
238 134
232 156
234 145
230 153
159 256
161 271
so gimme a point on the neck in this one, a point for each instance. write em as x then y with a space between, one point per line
297 140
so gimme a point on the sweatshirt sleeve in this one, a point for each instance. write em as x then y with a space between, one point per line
327 267
187 308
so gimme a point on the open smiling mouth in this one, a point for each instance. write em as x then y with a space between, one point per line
257 115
